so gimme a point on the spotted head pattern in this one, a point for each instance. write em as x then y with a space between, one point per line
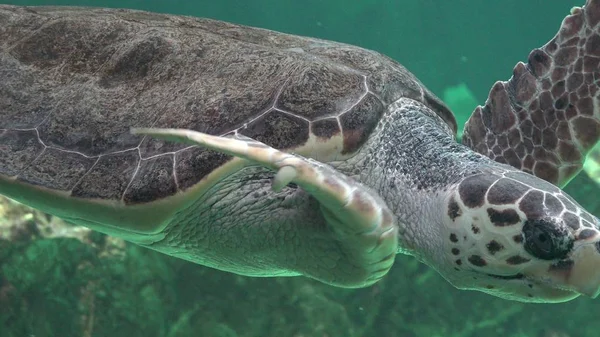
522 238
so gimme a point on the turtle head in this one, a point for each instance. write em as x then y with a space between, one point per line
518 237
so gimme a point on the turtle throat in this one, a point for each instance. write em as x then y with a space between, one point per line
412 160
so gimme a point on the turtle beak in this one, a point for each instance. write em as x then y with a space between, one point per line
580 273
585 276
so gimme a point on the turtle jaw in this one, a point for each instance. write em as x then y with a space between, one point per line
531 290
523 287
577 273
582 275
564 280
517 287
519 238
540 281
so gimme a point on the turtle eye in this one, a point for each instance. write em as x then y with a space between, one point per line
546 240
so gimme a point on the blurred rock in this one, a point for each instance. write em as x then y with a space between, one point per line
553 333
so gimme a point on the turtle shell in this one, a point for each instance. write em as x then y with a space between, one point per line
75 80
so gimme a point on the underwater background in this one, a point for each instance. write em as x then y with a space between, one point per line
56 280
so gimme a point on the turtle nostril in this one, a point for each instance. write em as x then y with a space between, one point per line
597 245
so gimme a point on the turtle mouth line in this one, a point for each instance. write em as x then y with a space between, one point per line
518 276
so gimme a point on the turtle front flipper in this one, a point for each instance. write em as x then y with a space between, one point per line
546 117
358 219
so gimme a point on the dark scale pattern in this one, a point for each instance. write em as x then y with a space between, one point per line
325 128
553 205
533 205
588 217
62 169
506 191
586 234
109 177
359 122
337 89
477 261
472 190
571 220
494 246
531 181
153 180
214 108
547 105
454 210
195 163
88 76
588 224
104 127
504 217
278 130
517 259
390 85
18 149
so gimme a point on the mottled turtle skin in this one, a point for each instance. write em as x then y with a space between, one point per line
359 134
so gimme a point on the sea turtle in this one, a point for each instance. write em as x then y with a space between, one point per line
267 154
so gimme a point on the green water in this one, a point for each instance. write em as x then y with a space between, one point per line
445 43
